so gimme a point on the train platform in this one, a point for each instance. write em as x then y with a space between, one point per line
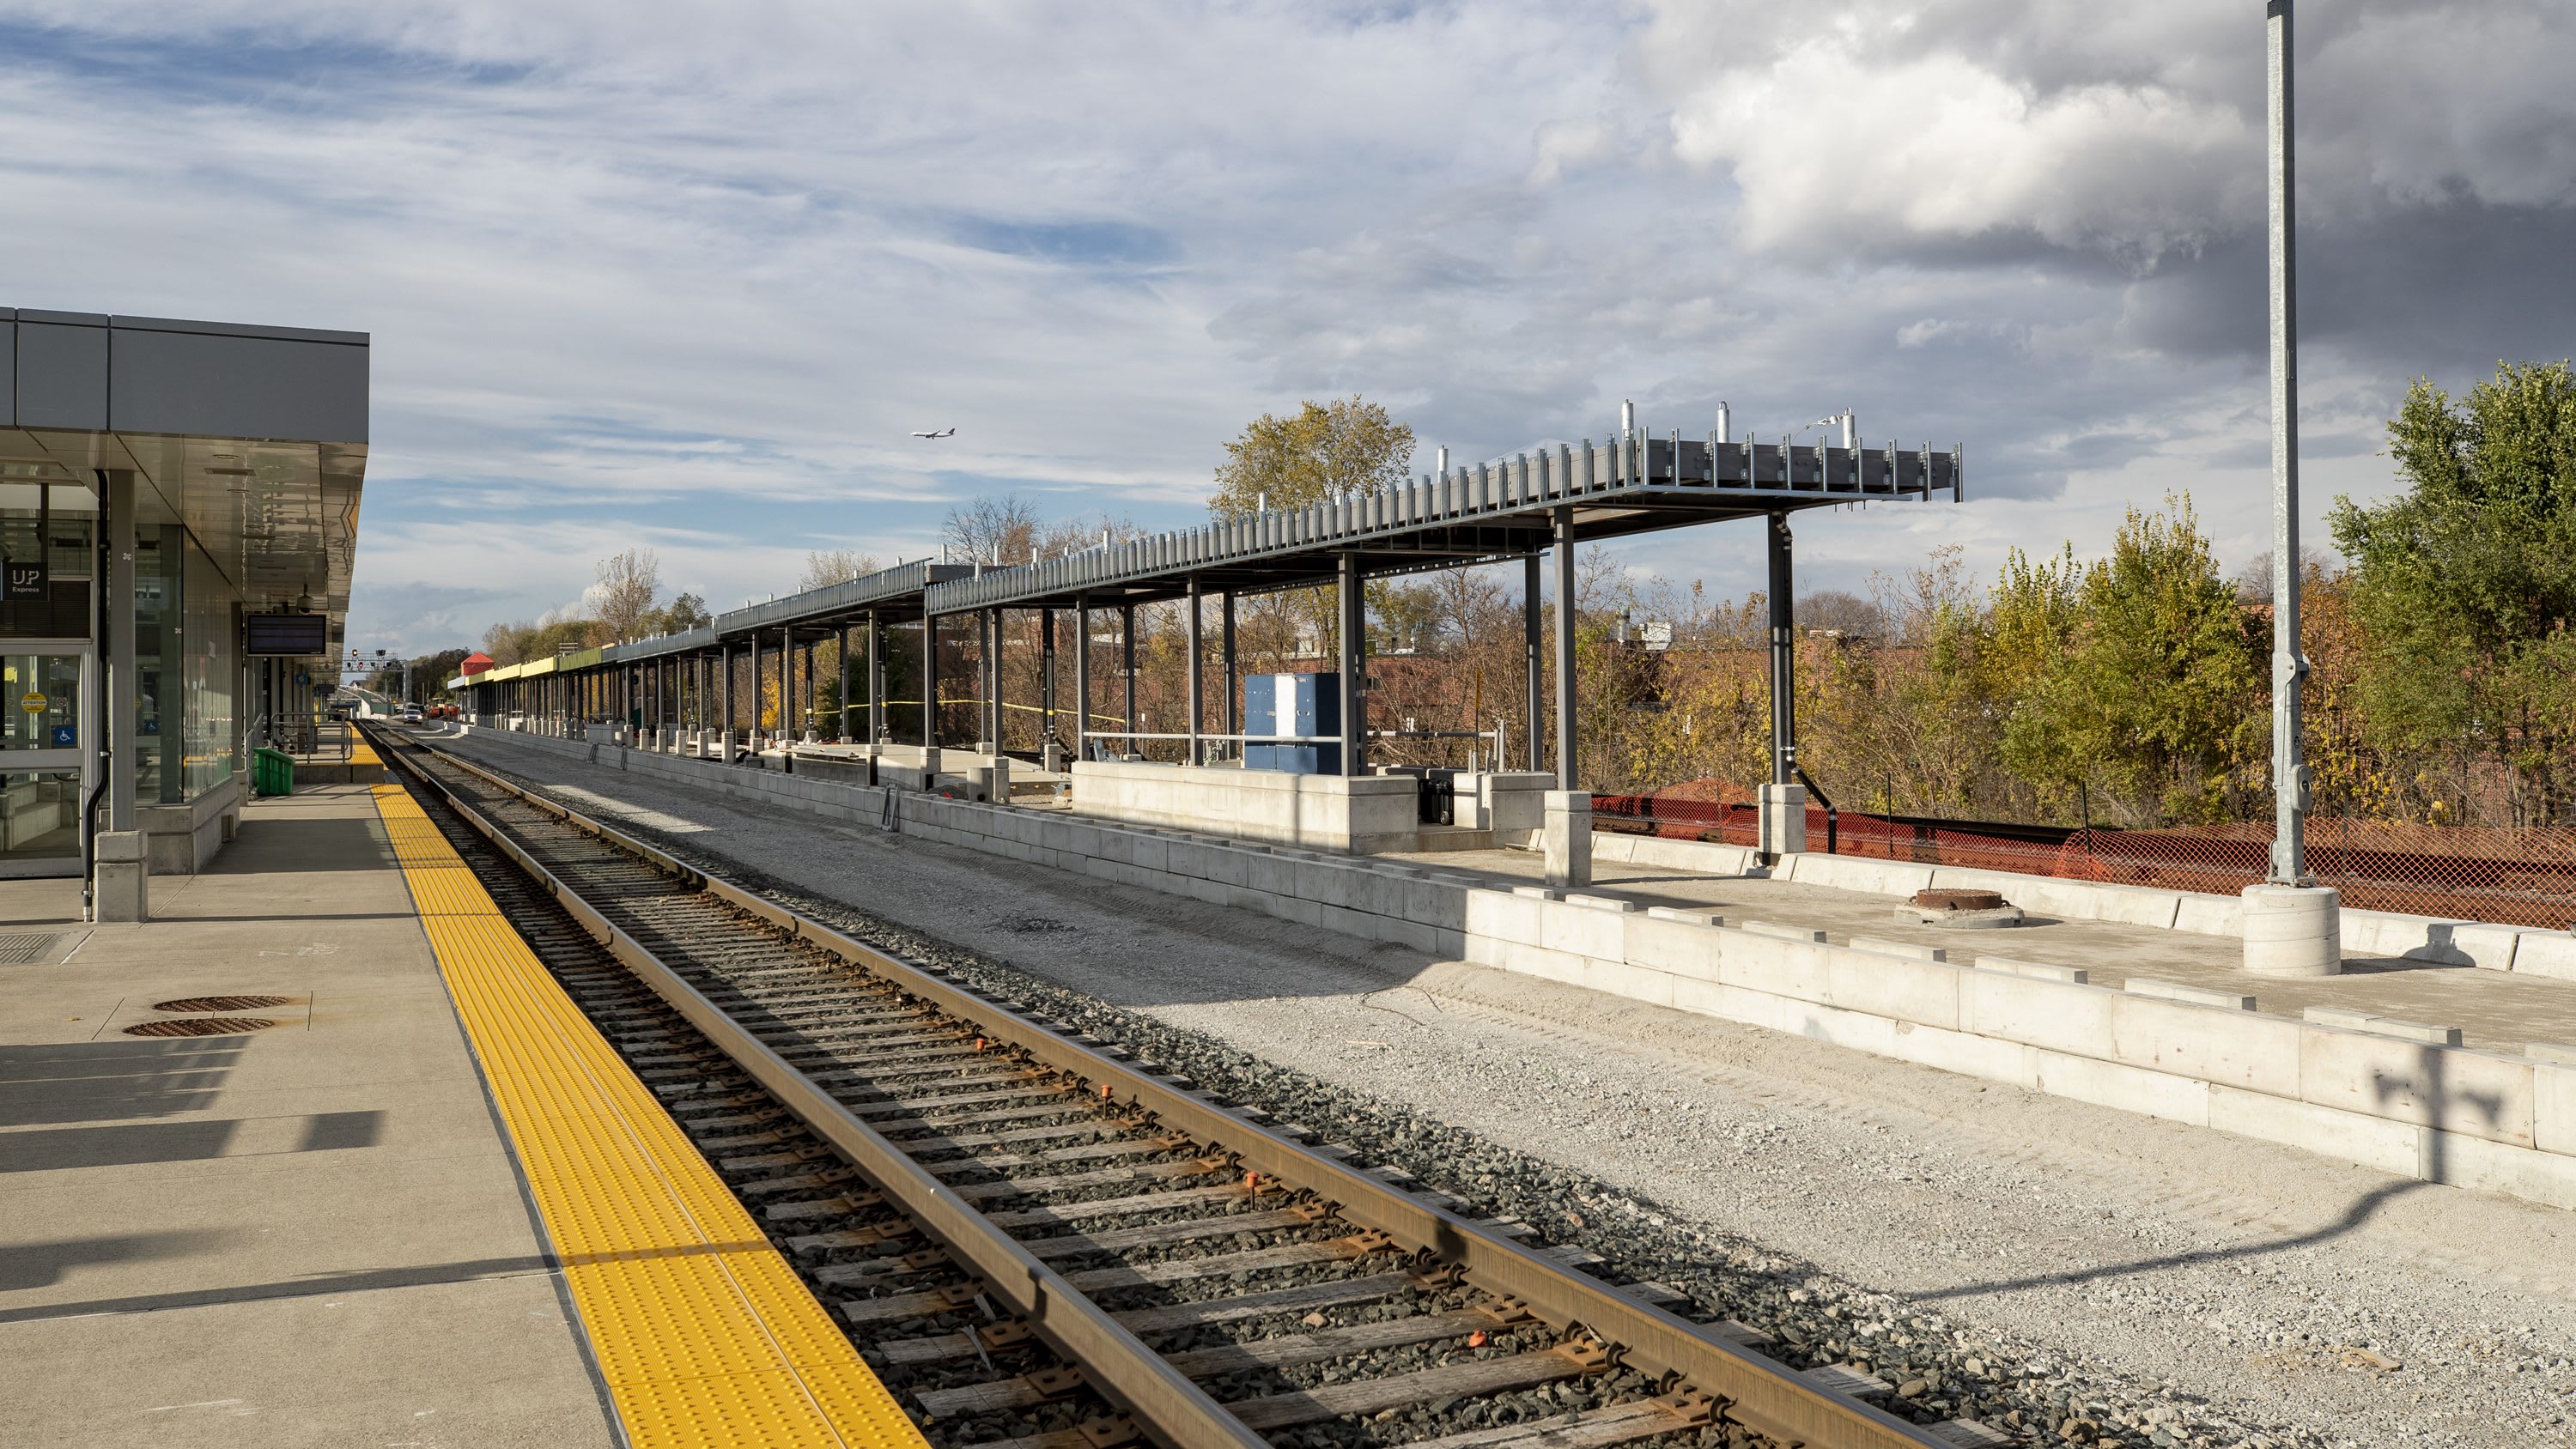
422 1203
2494 1010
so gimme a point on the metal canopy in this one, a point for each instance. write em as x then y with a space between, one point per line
1475 515
1483 514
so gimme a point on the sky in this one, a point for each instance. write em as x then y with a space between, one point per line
686 277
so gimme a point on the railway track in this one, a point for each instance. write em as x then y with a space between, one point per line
1042 1243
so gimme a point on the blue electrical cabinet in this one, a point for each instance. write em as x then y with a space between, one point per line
1293 704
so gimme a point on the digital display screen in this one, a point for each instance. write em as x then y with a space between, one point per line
286 633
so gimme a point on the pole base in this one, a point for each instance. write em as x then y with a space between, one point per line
2293 931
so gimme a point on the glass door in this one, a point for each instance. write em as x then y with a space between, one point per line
44 750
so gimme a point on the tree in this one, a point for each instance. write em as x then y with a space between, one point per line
2156 692
996 532
1326 451
825 567
2464 587
622 595
684 613
501 643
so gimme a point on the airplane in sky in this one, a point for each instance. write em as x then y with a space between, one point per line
944 433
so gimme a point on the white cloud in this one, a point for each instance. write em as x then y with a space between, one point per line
636 275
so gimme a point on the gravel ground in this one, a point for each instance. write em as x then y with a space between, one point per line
2077 1274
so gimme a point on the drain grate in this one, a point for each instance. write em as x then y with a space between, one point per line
25 948
221 1003
201 1026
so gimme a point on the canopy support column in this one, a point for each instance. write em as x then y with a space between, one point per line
1531 643
1354 667
1565 762
1198 707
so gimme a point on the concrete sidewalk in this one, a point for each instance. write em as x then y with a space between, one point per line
310 1234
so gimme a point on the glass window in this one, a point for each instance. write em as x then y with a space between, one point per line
40 815
210 669
40 701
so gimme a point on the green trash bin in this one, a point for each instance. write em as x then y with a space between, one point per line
272 772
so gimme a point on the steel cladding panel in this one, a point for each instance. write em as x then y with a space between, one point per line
62 376
215 385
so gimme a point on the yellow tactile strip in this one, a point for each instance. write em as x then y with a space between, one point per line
703 1333
362 753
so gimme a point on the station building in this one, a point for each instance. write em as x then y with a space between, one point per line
178 517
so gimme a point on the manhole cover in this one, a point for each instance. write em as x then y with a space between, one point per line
25 948
201 1026
221 1003
1959 900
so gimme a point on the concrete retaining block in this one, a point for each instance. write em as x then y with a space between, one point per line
1679 947
1857 1030
1983 1057
2056 1015
2391 1147
1583 931
2126 1088
2350 1020
1676 913
2196 995
1898 948
2482 1166
1902 988
2212 1044
1637 983
2546 953
1785 933
1796 970
2553 1104
2036 970
2476 1094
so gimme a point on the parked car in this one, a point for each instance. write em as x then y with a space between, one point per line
408 714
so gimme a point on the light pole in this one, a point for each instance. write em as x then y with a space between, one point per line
2292 927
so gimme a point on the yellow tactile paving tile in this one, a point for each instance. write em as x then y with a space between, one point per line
362 753
703 1333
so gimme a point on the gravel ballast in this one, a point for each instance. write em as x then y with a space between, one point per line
2068 1273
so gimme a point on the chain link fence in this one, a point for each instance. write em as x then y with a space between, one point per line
2522 876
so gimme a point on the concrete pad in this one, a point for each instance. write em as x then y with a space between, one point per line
307 1235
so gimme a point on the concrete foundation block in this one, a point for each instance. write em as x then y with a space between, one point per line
2476 1094
1566 837
2126 1088
121 876
1781 815
1785 933
2292 931
2213 1044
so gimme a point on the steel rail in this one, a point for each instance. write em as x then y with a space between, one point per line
1755 1391
1166 1404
